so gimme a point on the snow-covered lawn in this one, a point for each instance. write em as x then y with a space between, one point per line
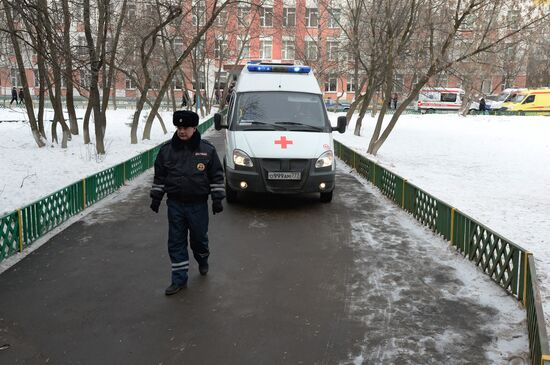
495 169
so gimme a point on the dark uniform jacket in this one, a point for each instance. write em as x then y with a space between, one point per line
188 171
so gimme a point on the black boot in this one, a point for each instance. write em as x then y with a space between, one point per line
203 269
173 289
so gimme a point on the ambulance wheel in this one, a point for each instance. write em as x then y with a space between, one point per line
326 197
230 194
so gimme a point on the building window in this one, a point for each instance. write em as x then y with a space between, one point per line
130 85
201 81
312 17
289 17
198 10
287 52
332 50
199 49
330 84
131 11
266 17
242 14
221 79
178 46
265 48
351 83
177 83
334 18
221 19
486 86
220 48
311 50
36 75
398 83
82 46
15 77
245 46
85 79
507 82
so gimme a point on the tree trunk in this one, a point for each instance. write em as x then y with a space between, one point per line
21 67
365 101
69 99
86 123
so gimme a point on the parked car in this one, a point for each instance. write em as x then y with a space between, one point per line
537 100
341 106
439 98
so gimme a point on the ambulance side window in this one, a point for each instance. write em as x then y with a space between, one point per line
448 97
529 99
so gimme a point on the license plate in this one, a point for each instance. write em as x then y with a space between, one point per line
284 175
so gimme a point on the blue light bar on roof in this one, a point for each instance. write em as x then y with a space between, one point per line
278 68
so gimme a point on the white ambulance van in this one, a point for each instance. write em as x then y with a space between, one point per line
439 98
278 137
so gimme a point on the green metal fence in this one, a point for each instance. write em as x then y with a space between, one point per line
21 228
507 264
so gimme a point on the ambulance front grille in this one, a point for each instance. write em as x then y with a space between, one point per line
286 165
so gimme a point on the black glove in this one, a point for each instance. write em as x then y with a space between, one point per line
155 204
217 206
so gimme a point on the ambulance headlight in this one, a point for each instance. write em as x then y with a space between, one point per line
241 158
325 160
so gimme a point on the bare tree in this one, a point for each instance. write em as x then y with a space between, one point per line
216 9
426 30
21 67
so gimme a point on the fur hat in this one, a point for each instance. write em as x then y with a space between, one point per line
185 118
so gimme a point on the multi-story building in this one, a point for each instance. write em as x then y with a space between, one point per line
280 31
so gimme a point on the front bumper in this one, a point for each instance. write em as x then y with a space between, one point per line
257 180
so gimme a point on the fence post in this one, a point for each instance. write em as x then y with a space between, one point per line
452 226
20 220
525 270
403 194
84 193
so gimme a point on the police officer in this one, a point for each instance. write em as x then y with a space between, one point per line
187 169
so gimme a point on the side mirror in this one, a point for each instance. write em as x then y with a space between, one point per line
218 122
342 122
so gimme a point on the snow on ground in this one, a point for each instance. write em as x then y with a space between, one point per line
444 281
496 169
29 173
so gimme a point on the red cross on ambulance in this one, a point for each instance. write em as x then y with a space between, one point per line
283 142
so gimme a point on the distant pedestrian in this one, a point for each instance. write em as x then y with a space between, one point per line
184 100
394 101
13 96
229 92
482 105
21 96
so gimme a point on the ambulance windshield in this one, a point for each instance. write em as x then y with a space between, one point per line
279 110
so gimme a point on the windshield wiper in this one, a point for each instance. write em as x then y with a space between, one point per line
302 125
246 123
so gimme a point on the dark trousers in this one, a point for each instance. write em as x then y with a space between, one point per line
186 219
13 98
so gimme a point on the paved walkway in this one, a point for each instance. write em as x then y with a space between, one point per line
292 281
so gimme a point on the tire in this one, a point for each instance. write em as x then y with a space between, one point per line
230 194
326 197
